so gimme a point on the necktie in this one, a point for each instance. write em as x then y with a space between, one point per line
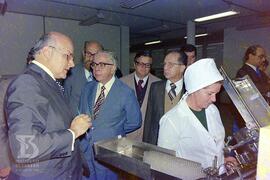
172 93
140 82
90 78
99 102
258 72
60 86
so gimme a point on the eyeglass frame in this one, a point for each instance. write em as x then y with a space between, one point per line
69 57
262 56
144 65
102 65
88 53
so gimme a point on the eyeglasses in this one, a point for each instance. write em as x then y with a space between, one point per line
101 65
88 53
69 57
144 65
171 64
262 56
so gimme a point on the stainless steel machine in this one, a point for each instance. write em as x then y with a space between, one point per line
151 162
256 113
145 160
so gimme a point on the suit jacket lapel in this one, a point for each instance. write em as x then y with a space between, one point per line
162 95
50 81
91 98
110 96
83 73
41 75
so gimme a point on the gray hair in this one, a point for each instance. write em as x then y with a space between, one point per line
110 55
45 40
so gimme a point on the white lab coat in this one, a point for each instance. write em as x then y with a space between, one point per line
181 131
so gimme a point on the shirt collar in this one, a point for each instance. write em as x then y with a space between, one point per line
88 74
179 85
44 68
108 85
253 67
144 79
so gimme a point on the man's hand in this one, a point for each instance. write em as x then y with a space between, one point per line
4 172
80 124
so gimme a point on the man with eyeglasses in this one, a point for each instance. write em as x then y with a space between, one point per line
80 75
41 129
254 56
113 107
140 81
164 95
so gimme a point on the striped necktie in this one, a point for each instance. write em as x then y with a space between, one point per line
99 102
172 92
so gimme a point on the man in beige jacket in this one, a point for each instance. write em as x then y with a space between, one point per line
140 81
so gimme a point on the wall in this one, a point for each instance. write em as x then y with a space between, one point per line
236 42
19 33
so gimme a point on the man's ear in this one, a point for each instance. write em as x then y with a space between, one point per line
47 52
134 64
114 68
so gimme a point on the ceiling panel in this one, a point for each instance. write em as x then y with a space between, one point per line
162 19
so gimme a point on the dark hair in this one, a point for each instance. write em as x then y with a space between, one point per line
142 53
251 50
182 56
30 56
188 48
92 42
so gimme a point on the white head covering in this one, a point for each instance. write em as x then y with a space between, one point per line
200 74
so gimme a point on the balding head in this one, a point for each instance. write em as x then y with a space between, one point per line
90 49
55 51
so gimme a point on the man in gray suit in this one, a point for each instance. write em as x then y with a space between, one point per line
164 95
114 109
140 81
41 129
80 75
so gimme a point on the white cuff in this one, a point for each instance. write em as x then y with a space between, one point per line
73 139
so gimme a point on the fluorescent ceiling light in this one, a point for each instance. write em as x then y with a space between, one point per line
198 35
152 42
215 16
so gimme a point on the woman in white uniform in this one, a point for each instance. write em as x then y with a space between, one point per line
193 128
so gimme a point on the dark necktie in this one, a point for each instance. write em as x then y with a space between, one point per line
60 86
99 102
172 92
140 82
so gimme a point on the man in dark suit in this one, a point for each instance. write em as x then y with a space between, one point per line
191 52
113 107
254 57
4 150
140 81
41 129
164 95
80 75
